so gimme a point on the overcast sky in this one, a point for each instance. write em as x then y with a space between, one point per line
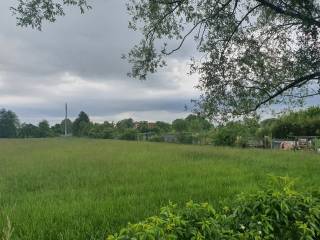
78 60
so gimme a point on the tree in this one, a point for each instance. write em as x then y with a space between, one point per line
29 131
301 123
105 130
34 12
128 134
197 124
69 126
125 123
81 125
9 124
143 127
44 129
252 53
162 127
180 125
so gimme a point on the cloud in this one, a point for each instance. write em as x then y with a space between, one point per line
78 60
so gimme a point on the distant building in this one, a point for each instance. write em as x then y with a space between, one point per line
135 125
151 125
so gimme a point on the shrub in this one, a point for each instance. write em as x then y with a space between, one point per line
156 138
185 138
128 134
276 213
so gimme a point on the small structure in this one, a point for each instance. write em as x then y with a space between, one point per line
296 143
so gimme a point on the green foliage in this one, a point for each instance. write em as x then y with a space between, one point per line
198 124
235 133
69 126
185 137
245 58
143 127
128 134
192 123
125 123
156 138
180 125
28 131
44 129
274 214
9 124
105 131
162 127
34 12
80 188
301 123
81 125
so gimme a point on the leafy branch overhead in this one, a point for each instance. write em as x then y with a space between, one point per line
252 52
34 12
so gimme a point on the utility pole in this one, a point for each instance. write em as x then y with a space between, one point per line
65 121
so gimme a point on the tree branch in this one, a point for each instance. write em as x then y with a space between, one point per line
280 10
297 82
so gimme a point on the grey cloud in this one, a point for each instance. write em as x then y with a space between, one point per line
88 47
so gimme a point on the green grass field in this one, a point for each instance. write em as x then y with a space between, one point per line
86 189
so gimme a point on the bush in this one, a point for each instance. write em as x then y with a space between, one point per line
156 138
185 138
128 134
271 214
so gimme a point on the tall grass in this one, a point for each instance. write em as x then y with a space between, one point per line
86 189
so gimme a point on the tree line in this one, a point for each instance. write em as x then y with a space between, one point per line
192 129
82 126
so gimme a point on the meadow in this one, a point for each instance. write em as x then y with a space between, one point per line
86 189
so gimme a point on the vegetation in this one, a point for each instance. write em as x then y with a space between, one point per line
271 214
194 129
78 188
250 52
301 123
34 12
9 124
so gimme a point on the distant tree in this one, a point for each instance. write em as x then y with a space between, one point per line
197 124
69 126
108 124
143 127
56 129
265 128
9 124
125 124
44 129
302 123
29 131
162 127
180 125
81 125
105 130
229 133
129 134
